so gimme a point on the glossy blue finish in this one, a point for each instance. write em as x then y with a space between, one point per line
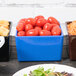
39 48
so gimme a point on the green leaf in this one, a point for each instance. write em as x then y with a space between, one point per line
25 74
47 71
38 72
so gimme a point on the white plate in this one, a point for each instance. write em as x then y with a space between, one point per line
58 68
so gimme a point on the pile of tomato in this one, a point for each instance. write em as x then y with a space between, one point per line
38 26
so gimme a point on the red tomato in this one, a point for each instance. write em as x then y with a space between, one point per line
20 27
38 17
56 30
31 21
23 21
32 32
41 22
38 28
28 27
45 33
21 33
47 27
52 20
54 25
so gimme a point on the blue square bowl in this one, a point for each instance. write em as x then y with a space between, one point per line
39 48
